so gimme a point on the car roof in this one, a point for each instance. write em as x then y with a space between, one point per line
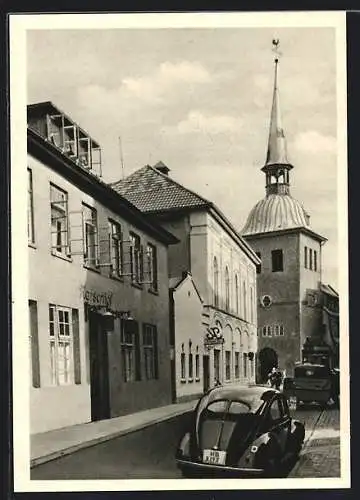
252 395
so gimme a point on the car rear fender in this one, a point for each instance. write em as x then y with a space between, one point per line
247 459
183 449
298 429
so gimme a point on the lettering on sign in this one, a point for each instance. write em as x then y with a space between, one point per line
100 299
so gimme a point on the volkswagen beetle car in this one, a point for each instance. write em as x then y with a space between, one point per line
240 431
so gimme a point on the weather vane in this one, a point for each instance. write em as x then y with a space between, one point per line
275 48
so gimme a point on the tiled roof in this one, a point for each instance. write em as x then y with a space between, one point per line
151 191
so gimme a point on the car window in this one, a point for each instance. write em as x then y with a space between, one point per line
285 407
238 408
275 410
217 407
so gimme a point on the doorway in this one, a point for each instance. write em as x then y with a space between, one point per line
268 359
206 372
99 368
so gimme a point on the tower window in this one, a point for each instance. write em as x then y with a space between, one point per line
277 260
306 257
258 267
310 258
315 260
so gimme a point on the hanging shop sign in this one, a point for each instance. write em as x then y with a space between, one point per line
97 299
213 337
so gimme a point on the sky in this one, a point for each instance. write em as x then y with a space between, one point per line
199 100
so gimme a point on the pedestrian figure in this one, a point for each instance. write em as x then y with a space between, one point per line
217 382
275 378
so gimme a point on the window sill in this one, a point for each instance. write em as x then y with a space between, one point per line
116 277
136 285
61 256
183 381
191 380
32 245
153 292
92 268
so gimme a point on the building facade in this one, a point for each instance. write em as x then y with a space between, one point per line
222 266
98 285
278 229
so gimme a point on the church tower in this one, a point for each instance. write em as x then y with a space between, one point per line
278 229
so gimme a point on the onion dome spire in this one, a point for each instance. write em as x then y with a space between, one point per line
277 165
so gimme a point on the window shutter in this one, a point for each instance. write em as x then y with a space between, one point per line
35 361
156 354
137 350
76 346
141 263
104 246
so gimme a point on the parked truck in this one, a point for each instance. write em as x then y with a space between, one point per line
316 378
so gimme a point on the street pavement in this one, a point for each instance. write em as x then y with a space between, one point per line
149 453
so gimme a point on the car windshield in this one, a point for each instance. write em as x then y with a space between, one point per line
311 372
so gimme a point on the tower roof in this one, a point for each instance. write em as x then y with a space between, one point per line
276 151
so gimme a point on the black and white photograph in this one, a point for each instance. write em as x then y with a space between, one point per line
179 251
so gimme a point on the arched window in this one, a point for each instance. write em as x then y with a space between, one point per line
216 282
244 301
236 294
227 289
251 304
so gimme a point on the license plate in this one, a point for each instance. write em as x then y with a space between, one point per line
215 457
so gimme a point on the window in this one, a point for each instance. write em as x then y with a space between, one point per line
61 345
152 267
277 261
281 332
116 248
310 259
150 352
183 364
245 356
315 260
197 367
136 258
276 330
30 209
306 257
258 267
245 300
90 236
269 330
275 411
59 220
251 304
130 351
216 282
237 294
34 344
252 369
227 289
217 364
237 365
227 365
191 367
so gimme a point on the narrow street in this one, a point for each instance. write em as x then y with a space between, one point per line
149 453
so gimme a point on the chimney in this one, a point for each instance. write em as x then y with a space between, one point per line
161 167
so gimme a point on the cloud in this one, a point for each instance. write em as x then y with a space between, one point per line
198 122
164 78
314 142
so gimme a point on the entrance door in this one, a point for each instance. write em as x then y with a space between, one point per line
99 368
268 359
206 372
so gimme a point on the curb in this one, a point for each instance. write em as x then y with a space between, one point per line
101 439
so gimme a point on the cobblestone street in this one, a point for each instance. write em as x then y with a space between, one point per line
321 453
